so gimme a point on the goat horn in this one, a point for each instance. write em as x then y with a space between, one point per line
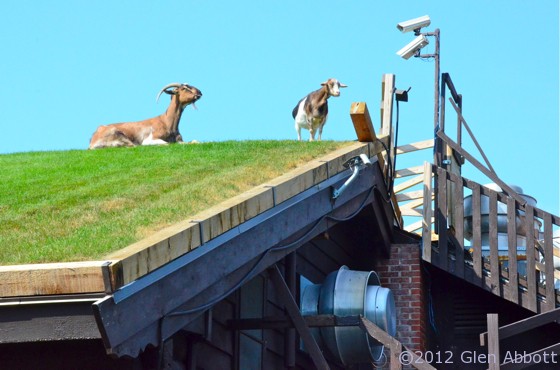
174 84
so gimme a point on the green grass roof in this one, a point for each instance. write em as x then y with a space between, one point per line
83 205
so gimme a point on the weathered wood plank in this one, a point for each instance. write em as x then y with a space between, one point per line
154 251
512 251
218 219
421 145
531 258
549 264
410 171
458 210
441 218
408 184
493 341
476 234
494 256
427 214
411 195
298 180
52 278
335 160
362 122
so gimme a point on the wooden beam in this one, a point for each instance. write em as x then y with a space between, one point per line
387 88
54 278
410 171
512 251
427 214
408 184
524 325
506 188
362 122
411 195
394 346
493 342
301 326
421 145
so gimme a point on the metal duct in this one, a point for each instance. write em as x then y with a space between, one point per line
346 293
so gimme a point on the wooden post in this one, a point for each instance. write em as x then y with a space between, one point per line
440 218
531 259
476 237
301 326
512 251
362 122
494 255
427 214
387 88
549 263
364 129
290 334
493 342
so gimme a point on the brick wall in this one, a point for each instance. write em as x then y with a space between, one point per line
402 273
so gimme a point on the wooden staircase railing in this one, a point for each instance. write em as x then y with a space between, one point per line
487 262
518 360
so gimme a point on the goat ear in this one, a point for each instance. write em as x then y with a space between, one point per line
324 83
342 85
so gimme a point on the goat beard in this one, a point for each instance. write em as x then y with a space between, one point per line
194 106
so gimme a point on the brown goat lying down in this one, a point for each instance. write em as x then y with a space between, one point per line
162 129
312 111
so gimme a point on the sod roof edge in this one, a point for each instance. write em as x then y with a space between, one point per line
148 254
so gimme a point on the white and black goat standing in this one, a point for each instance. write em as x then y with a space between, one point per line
312 111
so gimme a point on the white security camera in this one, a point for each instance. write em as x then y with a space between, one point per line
414 24
365 160
411 48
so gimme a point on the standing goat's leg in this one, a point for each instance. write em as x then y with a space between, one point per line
311 133
320 133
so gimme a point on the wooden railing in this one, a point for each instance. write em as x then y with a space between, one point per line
495 334
509 245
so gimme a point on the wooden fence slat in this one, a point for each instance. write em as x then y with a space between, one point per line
459 212
493 342
513 284
476 241
493 236
441 218
427 212
531 258
549 264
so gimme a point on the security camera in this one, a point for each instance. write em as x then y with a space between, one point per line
411 48
414 24
365 160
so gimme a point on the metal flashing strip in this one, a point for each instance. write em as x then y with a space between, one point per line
137 285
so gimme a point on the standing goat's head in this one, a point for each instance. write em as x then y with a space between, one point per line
186 93
333 86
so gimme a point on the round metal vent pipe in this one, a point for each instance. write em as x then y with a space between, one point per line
347 293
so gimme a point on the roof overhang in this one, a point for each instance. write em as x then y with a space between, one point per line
154 307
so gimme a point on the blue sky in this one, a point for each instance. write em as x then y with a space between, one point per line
69 66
